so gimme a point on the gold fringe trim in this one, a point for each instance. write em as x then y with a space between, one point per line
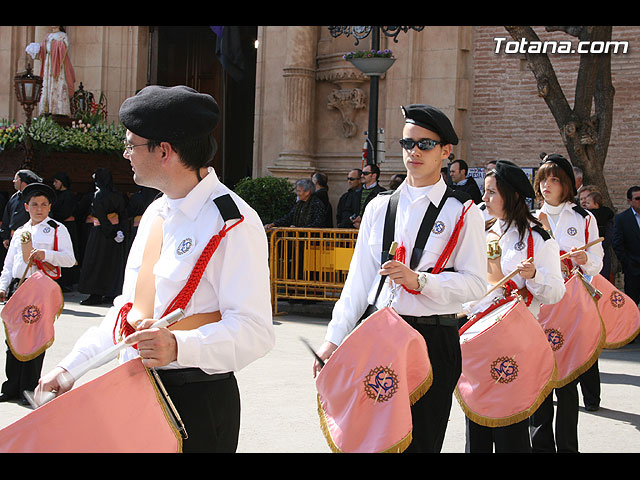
41 350
594 356
165 410
511 419
399 446
621 343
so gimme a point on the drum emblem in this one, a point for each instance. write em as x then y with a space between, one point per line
555 338
616 299
381 383
504 370
30 314
438 227
185 246
572 231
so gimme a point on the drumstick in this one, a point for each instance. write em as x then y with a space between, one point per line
584 247
112 352
68 377
515 272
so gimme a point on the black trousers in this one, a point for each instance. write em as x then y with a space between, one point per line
565 439
510 439
21 376
210 411
431 413
590 385
632 286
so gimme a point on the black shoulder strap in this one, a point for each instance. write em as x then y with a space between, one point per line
543 233
426 226
53 223
581 211
228 208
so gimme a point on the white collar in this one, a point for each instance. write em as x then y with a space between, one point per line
433 192
192 203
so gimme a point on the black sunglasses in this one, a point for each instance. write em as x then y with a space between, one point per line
424 144
351 179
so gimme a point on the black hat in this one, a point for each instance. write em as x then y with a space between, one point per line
431 118
27 176
170 113
36 189
564 164
509 172
64 179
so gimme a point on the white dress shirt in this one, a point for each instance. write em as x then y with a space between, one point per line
568 228
235 282
445 292
42 238
547 285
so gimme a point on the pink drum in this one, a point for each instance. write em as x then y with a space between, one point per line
619 312
29 315
574 329
367 387
508 367
122 411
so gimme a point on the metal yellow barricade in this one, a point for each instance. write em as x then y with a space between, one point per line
309 263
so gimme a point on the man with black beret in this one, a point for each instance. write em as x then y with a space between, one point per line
15 215
50 249
427 299
228 322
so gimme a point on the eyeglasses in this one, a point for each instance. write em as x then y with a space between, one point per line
423 144
367 173
353 179
128 148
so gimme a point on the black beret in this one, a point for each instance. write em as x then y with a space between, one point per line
431 118
509 172
564 164
36 189
170 113
27 176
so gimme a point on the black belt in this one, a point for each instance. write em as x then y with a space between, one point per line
448 320
182 376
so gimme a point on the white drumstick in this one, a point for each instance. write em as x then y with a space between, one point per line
112 352
67 378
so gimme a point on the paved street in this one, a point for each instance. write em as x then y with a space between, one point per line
278 394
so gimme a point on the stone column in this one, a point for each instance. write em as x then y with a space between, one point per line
296 157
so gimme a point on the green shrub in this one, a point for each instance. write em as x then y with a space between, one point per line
270 197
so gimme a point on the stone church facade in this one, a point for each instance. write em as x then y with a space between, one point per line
309 110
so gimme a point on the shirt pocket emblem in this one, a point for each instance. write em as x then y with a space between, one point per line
184 246
438 227
46 229
519 246
572 231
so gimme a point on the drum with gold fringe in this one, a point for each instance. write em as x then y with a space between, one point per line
121 411
620 314
366 388
508 367
29 316
574 329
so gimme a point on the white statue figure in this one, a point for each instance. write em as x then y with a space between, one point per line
57 73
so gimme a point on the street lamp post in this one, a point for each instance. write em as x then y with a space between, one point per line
28 89
360 33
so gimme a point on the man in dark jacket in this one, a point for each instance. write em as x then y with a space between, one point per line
626 238
348 208
370 188
458 169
